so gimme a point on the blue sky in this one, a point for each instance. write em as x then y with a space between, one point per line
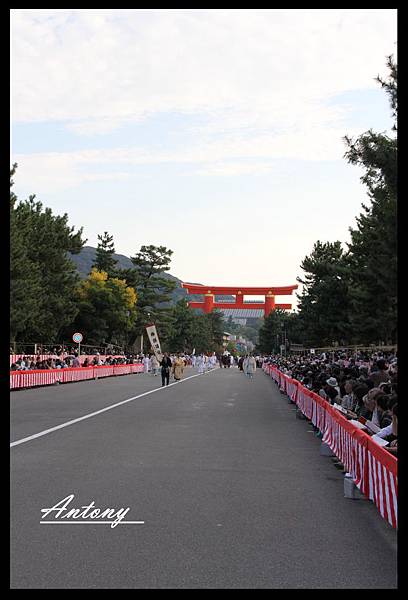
216 133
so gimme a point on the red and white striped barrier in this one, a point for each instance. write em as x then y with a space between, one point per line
374 470
77 374
35 378
26 379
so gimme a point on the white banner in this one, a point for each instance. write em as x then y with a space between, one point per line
154 341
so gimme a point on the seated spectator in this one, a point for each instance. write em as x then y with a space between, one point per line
382 416
359 393
380 374
348 400
369 403
76 363
86 362
332 394
332 382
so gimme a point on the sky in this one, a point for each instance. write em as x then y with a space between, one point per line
217 133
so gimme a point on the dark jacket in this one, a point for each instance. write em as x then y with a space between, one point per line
165 363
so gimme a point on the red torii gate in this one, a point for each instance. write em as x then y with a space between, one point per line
239 292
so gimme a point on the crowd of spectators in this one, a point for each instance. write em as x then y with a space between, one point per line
31 363
58 350
363 384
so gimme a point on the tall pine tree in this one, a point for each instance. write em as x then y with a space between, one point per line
373 247
324 301
40 243
153 289
104 260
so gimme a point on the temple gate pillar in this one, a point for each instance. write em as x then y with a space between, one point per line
239 300
208 303
269 304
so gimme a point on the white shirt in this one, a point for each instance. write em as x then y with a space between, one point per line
385 431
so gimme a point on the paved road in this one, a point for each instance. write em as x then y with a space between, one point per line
230 485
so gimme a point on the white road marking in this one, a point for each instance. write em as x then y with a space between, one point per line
98 412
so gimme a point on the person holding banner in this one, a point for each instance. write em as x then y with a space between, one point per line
165 364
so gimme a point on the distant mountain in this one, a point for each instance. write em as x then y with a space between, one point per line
84 260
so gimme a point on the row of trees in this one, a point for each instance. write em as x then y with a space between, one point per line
349 294
49 302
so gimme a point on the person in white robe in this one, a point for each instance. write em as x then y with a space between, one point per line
154 365
213 361
250 366
146 364
200 364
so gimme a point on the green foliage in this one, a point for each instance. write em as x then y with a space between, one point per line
181 335
26 293
373 247
40 242
351 297
324 301
107 309
104 260
153 290
215 324
271 334
190 329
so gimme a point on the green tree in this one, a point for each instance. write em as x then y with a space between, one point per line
51 287
26 293
191 329
324 301
373 247
104 260
215 324
270 333
182 334
153 289
107 309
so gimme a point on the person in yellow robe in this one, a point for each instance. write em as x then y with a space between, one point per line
178 368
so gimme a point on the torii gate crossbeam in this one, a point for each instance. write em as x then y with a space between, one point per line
239 292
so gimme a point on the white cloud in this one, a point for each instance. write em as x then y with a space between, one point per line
78 65
261 79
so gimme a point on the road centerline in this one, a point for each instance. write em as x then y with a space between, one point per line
93 414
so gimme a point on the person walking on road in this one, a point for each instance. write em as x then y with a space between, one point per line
155 365
200 364
250 366
178 368
165 369
146 364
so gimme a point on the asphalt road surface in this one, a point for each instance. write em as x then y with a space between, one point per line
230 486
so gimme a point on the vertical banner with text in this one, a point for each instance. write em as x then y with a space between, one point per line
154 341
